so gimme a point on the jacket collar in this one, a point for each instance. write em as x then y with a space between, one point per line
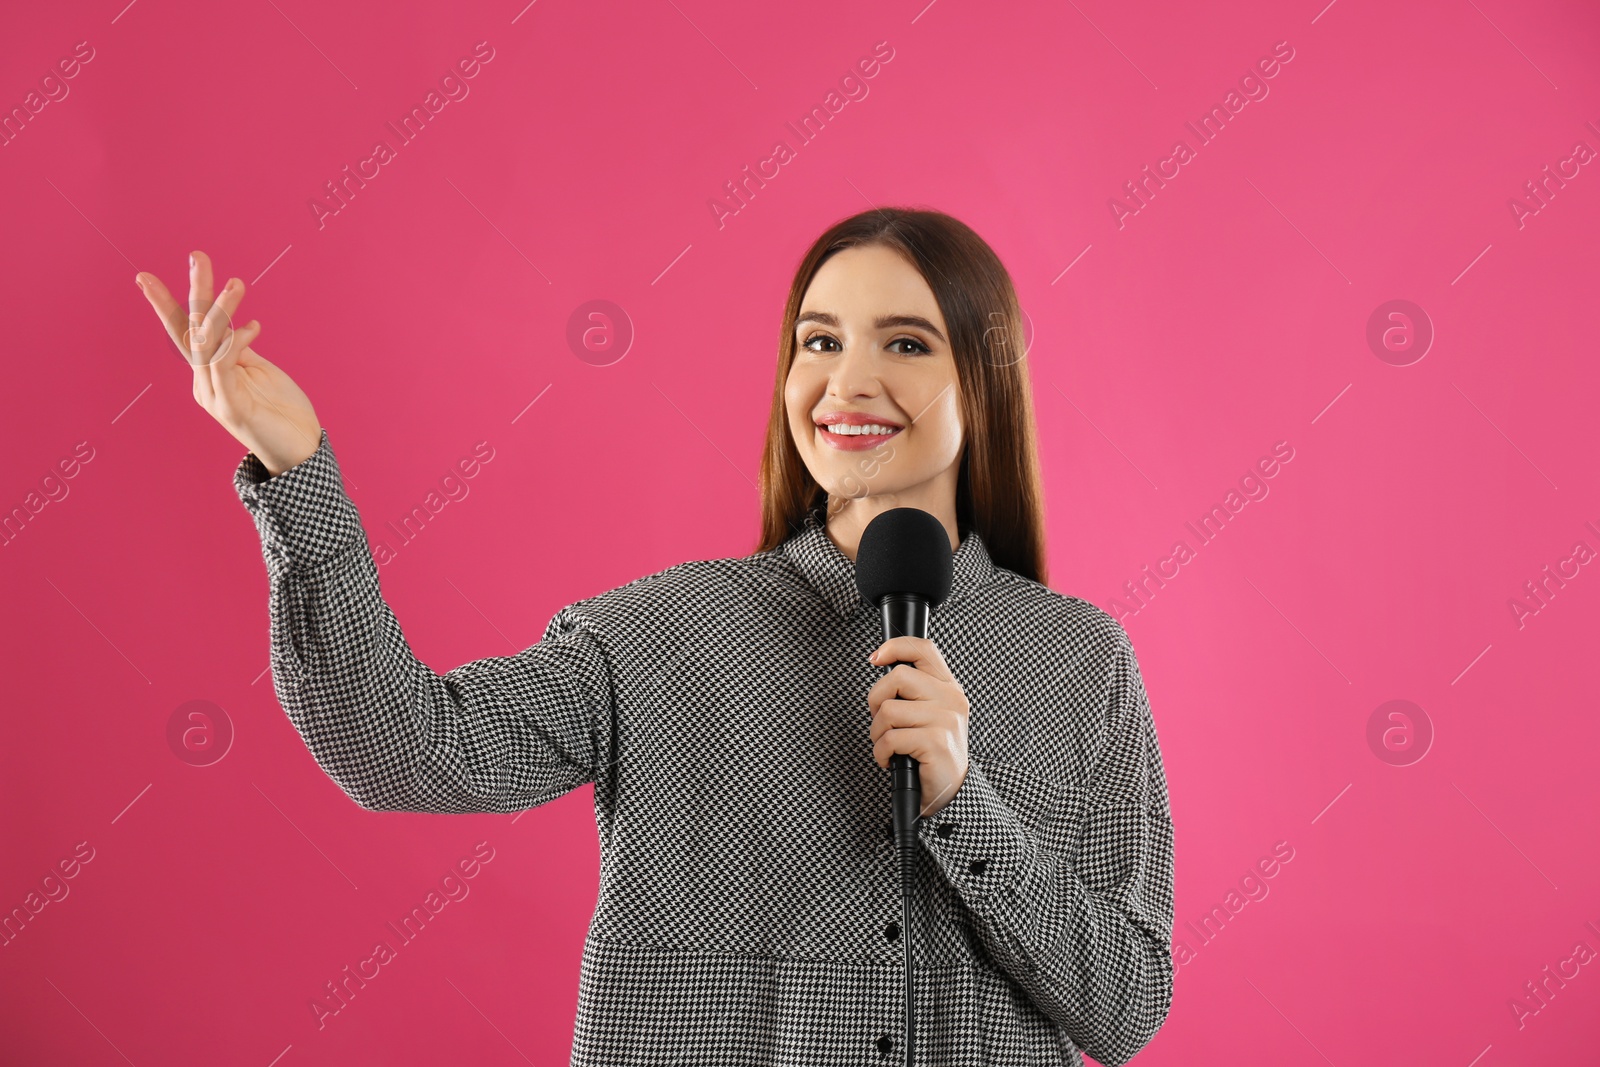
833 574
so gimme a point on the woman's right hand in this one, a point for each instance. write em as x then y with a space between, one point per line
255 401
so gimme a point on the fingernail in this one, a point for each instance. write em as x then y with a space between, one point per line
191 263
138 279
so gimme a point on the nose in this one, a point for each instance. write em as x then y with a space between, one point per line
854 374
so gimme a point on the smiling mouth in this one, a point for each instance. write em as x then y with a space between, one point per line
859 438
871 429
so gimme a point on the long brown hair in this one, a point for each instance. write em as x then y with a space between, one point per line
999 492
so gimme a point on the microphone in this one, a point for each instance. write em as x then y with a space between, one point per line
905 566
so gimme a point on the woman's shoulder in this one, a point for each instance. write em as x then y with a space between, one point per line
1041 606
681 591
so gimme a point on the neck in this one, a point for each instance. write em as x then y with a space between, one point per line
846 524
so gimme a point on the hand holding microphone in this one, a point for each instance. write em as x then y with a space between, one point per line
920 710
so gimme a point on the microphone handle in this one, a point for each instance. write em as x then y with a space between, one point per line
906 616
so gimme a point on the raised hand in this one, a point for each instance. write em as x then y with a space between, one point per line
254 401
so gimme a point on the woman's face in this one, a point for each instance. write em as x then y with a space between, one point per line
872 350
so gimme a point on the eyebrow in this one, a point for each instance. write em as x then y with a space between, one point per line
883 322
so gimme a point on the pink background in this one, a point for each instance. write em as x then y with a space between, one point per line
1228 314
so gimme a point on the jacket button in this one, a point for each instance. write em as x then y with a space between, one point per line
945 829
885 1044
891 932
977 866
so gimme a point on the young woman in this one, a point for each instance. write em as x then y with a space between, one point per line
735 722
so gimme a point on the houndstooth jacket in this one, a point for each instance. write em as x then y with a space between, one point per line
748 908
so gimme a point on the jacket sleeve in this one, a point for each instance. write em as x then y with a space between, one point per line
495 735
1086 931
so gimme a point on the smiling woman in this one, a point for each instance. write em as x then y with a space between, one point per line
736 717
867 343
861 379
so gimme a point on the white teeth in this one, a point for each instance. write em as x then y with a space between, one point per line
846 430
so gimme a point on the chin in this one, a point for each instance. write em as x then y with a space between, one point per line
861 487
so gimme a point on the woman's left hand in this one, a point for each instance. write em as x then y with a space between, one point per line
919 709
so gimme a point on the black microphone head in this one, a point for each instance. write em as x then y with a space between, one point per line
904 551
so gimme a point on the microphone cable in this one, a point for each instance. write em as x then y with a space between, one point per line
907 809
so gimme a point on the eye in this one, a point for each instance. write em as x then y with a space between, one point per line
813 338
919 346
